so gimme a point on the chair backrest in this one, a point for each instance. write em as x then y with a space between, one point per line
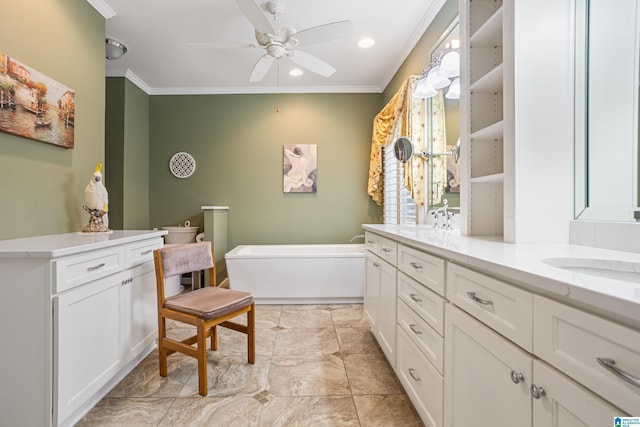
180 259
186 258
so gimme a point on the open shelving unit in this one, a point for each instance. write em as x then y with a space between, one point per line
485 121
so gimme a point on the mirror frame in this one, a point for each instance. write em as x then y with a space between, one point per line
585 153
403 149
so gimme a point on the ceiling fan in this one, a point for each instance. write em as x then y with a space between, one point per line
280 40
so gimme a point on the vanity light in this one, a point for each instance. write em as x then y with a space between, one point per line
296 72
366 43
454 90
437 75
450 63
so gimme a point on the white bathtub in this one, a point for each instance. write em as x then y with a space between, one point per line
298 274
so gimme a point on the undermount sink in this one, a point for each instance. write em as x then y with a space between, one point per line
611 269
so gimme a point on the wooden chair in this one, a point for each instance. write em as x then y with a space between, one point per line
204 308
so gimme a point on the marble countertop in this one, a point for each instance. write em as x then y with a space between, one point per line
523 265
56 245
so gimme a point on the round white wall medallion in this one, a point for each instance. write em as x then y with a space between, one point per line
182 165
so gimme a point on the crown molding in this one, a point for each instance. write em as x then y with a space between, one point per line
103 8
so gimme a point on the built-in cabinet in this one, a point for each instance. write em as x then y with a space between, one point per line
380 292
90 301
473 349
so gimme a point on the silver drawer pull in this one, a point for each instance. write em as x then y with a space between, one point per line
536 391
516 377
415 298
371 242
610 365
376 265
386 250
473 296
415 265
411 372
415 330
146 252
96 267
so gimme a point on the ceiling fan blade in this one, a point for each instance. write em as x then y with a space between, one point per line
254 13
324 33
261 68
312 63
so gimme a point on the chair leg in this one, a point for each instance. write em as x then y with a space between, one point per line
251 336
202 360
162 333
214 337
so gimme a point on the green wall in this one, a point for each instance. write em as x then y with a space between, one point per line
237 142
127 154
42 185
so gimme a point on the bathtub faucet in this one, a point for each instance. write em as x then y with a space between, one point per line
358 236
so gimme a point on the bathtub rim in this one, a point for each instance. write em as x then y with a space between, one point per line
238 253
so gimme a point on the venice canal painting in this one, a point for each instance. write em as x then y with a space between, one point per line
35 106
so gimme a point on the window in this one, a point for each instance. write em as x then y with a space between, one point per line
399 207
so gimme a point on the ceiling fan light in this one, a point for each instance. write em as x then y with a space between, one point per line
296 72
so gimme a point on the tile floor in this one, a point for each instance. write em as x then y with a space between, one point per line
316 365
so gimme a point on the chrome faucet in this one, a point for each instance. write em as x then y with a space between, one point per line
445 214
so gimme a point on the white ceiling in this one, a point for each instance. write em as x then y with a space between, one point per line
162 59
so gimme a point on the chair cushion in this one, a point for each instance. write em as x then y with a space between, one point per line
209 302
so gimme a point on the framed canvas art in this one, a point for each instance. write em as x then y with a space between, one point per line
35 106
300 170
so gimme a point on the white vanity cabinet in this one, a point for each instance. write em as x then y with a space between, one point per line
421 317
380 292
489 381
498 374
80 314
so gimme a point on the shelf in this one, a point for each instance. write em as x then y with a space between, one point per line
493 131
490 82
489 33
497 178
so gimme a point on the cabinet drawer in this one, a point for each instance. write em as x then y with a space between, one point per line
371 242
422 335
80 269
141 252
388 251
426 269
428 304
503 307
573 340
422 382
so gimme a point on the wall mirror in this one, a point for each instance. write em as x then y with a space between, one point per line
606 133
443 129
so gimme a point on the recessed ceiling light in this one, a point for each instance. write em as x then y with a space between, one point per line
295 72
366 42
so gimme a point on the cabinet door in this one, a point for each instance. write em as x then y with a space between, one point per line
479 390
387 312
140 313
564 403
372 291
87 338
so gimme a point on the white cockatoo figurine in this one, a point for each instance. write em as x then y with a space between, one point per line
96 195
